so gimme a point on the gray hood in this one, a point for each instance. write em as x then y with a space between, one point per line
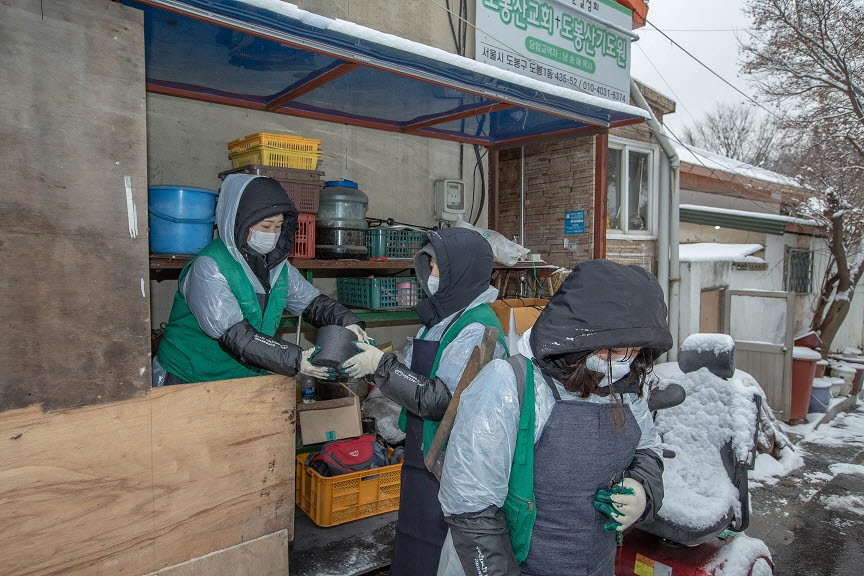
226 216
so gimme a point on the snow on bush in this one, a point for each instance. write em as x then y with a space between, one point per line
698 491
736 557
715 343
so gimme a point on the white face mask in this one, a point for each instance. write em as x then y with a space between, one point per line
263 242
432 283
619 368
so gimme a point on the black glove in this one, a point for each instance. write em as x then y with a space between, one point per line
425 397
324 311
482 543
251 347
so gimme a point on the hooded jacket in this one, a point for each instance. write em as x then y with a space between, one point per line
206 292
600 305
465 263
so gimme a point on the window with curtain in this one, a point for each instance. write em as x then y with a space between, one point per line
631 188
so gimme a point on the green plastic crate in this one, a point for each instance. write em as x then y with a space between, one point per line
391 293
393 242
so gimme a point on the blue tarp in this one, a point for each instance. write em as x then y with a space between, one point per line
236 53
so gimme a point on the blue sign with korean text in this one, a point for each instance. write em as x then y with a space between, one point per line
574 222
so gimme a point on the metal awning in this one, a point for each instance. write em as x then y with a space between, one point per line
739 219
270 55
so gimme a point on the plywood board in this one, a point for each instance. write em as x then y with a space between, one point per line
129 487
73 245
265 556
76 490
223 464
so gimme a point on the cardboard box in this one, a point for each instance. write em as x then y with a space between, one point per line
517 315
334 416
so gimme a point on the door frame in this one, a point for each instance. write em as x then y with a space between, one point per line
786 347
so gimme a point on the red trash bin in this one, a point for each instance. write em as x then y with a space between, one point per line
803 371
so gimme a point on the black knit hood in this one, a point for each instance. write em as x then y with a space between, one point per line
262 198
464 261
601 304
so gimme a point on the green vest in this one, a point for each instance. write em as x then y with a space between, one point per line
194 356
482 314
519 506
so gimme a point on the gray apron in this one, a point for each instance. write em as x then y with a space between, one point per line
579 452
420 529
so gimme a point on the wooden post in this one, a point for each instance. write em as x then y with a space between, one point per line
493 189
601 147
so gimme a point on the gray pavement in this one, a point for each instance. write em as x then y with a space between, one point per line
806 520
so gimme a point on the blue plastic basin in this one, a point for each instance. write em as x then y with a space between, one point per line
181 218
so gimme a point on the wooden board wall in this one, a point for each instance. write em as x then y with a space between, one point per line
73 303
130 487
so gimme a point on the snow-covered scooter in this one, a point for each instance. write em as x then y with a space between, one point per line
707 414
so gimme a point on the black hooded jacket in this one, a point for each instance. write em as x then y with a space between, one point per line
465 263
263 198
601 304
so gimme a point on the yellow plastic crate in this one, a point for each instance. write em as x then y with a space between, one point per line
339 499
282 150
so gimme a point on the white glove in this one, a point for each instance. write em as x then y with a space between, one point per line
364 363
359 332
630 506
309 369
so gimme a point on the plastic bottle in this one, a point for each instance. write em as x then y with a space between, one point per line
308 388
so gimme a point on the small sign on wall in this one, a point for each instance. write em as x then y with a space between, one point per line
574 222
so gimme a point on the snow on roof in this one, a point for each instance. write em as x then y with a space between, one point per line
698 491
749 214
714 252
399 43
715 343
712 161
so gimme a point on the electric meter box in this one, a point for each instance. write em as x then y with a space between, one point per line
449 199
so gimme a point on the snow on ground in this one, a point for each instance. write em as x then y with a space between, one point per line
845 468
716 412
847 428
849 502
737 557
770 471
714 252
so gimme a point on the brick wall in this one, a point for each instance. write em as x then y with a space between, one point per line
559 177
640 252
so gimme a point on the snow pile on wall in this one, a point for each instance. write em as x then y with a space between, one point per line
715 252
716 411
716 343
736 558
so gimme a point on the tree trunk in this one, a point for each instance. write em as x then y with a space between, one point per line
831 323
